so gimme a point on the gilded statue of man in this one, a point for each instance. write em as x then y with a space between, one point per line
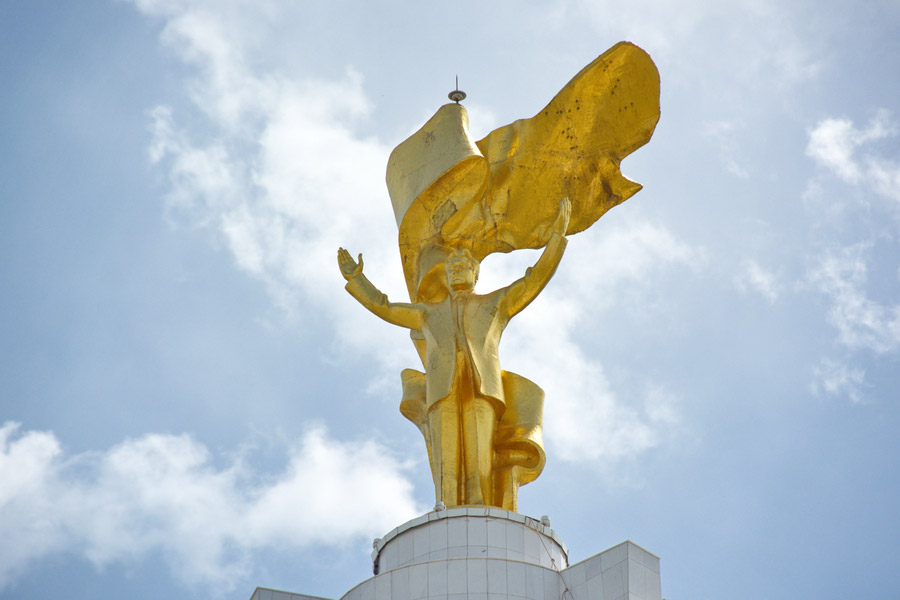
457 200
464 397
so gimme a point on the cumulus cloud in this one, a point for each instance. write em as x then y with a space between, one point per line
276 170
754 277
861 322
164 493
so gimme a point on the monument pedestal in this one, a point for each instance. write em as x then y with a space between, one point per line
479 553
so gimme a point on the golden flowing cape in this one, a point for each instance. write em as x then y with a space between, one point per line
504 194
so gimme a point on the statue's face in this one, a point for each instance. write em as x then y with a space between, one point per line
461 273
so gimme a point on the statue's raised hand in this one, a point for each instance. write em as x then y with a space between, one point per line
349 267
562 219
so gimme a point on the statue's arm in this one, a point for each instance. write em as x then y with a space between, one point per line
522 292
359 286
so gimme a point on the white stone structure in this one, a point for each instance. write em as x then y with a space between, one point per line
480 553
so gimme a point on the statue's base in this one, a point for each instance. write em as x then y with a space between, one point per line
477 553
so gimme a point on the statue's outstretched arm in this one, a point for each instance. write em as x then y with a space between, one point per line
522 292
398 313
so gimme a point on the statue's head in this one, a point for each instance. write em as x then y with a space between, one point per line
462 270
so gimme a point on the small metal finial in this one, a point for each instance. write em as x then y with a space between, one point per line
457 94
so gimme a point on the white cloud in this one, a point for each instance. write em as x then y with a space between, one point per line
631 255
164 493
836 145
836 379
754 277
862 323
854 156
884 177
283 179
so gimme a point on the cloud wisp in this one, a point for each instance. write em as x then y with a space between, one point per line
164 493
754 277
861 322
857 165
834 143
834 378
854 156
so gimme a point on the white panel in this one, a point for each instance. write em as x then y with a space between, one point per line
592 567
437 579
496 577
476 571
515 537
367 590
651 585
421 542
456 533
579 592
400 584
614 581
404 544
418 581
595 588
456 577
496 533
613 556
437 532
389 557
636 578
476 529
552 587
532 544
383 587
515 579
534 582
574 575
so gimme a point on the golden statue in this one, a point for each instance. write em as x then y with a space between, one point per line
457 201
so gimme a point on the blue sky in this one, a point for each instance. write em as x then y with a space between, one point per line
192 406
